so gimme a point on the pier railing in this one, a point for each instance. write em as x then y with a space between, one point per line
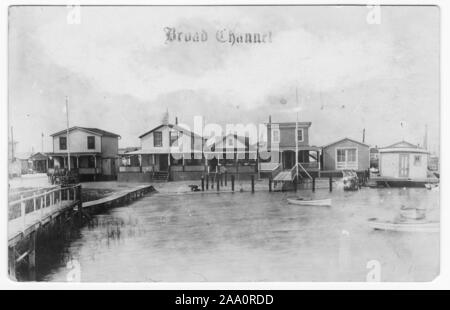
40 201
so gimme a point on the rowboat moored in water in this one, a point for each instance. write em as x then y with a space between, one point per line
304 202
404 226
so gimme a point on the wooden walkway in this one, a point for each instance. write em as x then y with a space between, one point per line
283 176
128 194
42 208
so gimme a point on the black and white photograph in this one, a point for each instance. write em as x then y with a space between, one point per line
223 143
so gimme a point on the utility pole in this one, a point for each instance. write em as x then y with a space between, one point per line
42 142
296 134
68 139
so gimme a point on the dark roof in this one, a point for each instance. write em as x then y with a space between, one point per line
344 139
98 131
289 124
173 126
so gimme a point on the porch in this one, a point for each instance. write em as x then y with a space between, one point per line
84 164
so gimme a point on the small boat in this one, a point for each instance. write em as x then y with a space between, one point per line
431 186
405 226
304 202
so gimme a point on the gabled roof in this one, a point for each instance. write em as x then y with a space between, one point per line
345 139
213 141
97 131
172 126
402 144
403 147
39 156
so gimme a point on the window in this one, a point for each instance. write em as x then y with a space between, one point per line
173 138
346 158
275 136
157 139
63 143
417 160
300 135
91 142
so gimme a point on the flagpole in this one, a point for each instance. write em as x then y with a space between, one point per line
296 133
68 139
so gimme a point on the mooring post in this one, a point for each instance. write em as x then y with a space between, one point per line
253 183
314 184
270 184
32 257
80 204
203 183
331 183
232 182
221 179
207 182
12 262
218 183
226 177
295 183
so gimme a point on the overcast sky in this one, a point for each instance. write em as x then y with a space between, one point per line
121 76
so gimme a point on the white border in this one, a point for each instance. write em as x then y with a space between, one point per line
441 282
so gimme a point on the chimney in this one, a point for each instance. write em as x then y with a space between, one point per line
176 120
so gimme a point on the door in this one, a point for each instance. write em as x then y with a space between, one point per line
288 159
404 165
163 162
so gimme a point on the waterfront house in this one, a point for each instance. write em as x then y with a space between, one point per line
345 154
167 151
231 153
403 161
93 152
40 162
282 146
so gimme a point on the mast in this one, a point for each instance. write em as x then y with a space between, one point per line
67 133
296 133
12 145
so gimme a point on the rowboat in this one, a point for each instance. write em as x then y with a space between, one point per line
304 202
433 187
405 226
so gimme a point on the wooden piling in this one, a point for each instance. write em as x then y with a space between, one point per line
270 184
207 182
253 183
203 183
331 183
32 257
12 262
232 182
314 184
218 183
226 178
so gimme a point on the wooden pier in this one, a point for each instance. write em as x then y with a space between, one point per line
47 212
32 212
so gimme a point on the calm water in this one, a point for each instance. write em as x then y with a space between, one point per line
253 237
